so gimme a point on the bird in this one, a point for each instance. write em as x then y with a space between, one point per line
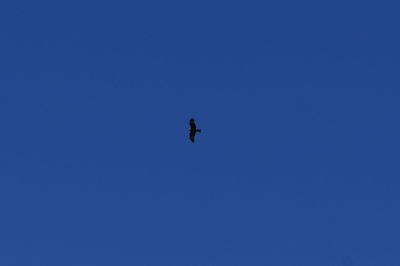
193 129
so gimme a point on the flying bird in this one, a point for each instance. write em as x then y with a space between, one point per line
193 130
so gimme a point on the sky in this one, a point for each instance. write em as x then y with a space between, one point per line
296 164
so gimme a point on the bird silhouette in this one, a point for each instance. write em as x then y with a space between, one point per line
193 130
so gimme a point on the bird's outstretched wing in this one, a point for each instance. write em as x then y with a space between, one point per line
192 125
191 135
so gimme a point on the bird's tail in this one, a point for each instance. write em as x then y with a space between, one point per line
198 130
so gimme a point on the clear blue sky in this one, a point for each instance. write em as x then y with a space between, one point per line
297 164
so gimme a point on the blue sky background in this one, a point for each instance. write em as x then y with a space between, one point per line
297 164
